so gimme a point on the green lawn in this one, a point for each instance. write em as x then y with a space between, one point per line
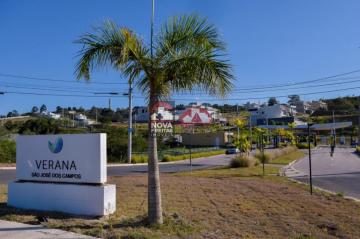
288 158
225 172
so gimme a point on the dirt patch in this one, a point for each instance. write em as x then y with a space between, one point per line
221 207
7 165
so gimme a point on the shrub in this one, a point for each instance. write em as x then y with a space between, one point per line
139 158
169 158
282 145
240 161
263 157
7 151
273 154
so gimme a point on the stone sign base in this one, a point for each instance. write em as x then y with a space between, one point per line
76 199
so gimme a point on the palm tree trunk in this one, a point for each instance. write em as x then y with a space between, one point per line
154 192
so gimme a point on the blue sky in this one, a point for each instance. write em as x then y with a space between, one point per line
269 42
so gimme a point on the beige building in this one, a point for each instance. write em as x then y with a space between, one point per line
214 139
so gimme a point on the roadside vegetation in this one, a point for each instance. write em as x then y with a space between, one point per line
304 145
282 155
275 156
177 154
7 151
357 150
116 141
288 158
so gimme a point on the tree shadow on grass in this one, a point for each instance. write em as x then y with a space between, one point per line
9 212
137 222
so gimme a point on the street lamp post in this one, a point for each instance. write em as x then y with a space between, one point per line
358 143
310 170
130 128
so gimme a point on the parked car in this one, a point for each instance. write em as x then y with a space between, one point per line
232 150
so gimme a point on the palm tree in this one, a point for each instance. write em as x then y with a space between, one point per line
188 55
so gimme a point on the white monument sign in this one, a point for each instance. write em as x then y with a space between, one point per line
64 173
62 158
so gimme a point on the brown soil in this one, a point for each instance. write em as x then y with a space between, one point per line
247 207
222 207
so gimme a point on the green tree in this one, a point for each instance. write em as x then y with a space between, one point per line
272 101
34 109
243 144
187 54
43 108
293 99
13 113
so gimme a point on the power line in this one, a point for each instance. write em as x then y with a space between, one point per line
179 99
47 89
250 88
305 82
94 92
293 88
56 80
62 95
276 96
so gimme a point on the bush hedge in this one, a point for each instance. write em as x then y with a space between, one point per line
169 158
7 151
262 157
139 158
240 161
304 145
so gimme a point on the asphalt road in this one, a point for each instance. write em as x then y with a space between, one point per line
7 175
340 173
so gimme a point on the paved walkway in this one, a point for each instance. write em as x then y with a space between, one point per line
340 173
15 230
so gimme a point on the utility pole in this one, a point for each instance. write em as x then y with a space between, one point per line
109 103
262 152
250 130
130 128
359 124
334 130
310 170
237 115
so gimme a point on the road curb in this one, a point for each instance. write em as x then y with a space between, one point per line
4 168
290 171
324 190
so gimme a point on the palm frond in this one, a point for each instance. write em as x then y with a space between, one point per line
191 55
109 45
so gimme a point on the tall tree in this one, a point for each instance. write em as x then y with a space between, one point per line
293 99
34 109
59 109
272 101
43 108
188 54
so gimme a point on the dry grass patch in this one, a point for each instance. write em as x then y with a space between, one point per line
288 158
220 203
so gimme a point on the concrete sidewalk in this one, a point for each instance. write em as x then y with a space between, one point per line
15 230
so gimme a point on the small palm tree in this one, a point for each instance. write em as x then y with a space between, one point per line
187 54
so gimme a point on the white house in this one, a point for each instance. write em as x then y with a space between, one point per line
83 120
163 109
310 106
266 113
50 115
